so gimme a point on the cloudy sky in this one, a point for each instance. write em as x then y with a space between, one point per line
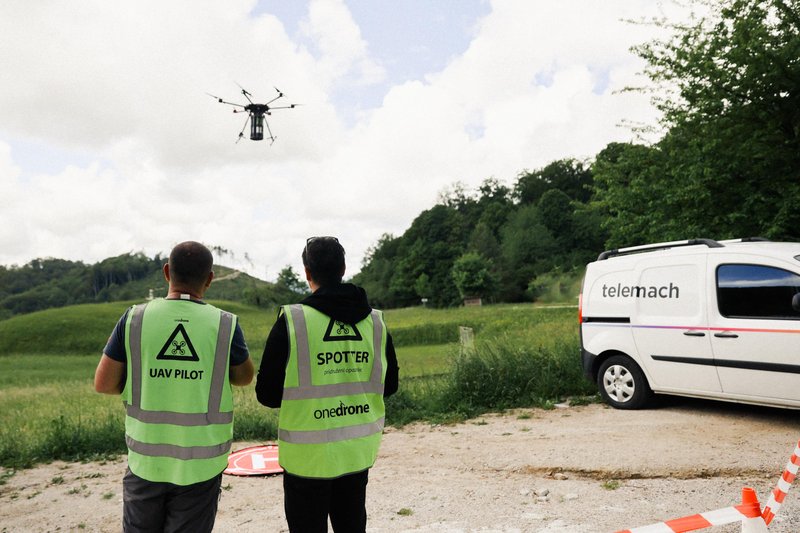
110 143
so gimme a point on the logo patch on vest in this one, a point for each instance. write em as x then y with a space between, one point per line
178 347
339 331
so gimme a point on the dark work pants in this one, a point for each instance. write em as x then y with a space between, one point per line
154 507
309 502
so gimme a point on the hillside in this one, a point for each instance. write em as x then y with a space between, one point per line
83 329
50 283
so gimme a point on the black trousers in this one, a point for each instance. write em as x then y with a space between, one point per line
155 507
309 502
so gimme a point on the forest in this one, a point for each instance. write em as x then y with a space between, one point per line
46 283
726 165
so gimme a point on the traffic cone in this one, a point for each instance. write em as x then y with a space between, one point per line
757 524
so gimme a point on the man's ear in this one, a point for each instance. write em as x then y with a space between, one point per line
210 279
344 267
166 271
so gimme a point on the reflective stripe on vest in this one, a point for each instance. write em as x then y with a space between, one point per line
177 452
307 391
213 416
331 435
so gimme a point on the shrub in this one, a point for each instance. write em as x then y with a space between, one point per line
506 373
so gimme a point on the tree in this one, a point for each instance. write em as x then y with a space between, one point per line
570 176
555 209
422 286
629 190
289 280
483 241
729 89
377 269
528 249
434 240
473 276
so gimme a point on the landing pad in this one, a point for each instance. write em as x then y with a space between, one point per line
254 461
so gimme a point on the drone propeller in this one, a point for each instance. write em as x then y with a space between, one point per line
245 93
221 101
280 95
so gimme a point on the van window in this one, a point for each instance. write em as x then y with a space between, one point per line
756 291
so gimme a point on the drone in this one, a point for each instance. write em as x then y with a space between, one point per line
255 115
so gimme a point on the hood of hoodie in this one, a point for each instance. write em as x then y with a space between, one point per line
344 302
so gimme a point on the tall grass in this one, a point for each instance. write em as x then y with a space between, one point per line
504 374
421 326
58 421
536 367
524 356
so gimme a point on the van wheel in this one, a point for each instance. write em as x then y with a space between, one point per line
622 383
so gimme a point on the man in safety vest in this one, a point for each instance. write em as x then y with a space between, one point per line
174 361
328 364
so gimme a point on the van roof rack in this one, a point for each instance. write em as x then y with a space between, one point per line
745 239
711 243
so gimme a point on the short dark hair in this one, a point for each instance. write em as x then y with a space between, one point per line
324 259
190 263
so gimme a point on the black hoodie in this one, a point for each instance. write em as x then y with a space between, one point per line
344 302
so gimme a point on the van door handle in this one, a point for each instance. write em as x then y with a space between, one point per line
726 335
694 333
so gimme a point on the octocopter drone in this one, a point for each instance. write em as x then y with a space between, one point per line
255 114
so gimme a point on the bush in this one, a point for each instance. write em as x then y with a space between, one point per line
505 374
556 286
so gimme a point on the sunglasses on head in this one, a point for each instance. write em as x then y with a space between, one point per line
312 239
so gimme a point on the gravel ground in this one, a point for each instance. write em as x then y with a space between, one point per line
569 470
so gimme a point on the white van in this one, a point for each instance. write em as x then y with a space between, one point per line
696 318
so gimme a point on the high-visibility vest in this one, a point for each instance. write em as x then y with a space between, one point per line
177 395
332 409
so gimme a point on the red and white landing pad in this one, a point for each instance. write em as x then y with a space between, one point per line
254 461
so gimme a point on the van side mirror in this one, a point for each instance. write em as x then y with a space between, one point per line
796 302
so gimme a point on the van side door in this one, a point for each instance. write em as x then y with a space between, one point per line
755 330
670 325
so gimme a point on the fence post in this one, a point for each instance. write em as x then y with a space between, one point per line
467 338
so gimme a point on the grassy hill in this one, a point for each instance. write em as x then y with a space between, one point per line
84 329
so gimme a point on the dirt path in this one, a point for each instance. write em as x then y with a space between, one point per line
575 470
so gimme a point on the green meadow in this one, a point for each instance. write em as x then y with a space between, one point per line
524 355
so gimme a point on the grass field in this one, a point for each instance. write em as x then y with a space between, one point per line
524 356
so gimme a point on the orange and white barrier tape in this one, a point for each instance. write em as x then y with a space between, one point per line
784 483
750 508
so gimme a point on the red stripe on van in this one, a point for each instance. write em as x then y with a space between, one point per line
707 328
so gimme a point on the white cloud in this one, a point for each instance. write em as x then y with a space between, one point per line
126 82
341 48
